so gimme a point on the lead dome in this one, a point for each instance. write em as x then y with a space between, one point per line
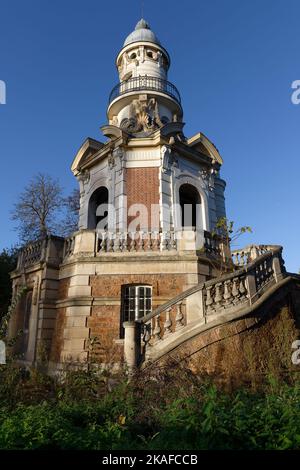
142 32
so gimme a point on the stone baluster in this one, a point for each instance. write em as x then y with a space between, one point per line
173 241
146 241
235 291
137 241
209 300
147 333
227 292
242 289
158 240
111 243
117 243
152 241
164 242
121 242
100 243
143 243
157 329
131 241
179 316
218 296
167 323
125 242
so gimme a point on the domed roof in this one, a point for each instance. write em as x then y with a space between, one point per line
142 32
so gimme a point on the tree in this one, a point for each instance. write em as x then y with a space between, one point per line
72 206
225 228
36 212
8 262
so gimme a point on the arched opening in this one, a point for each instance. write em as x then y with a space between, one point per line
190 202
98 209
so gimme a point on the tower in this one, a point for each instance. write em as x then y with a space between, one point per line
147 160
149 198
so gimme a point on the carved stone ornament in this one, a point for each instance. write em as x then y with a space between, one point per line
111 161
169 159
84 177
118 155
208 177
143 116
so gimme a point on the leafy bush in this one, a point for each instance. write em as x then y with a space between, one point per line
169 409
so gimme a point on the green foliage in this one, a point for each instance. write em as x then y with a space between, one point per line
4 319
8 261
225 228
150 412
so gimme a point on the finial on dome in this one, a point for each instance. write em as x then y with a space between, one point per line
142 24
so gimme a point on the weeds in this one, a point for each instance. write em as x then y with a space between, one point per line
163 408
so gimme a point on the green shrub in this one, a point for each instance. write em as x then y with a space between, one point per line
168 409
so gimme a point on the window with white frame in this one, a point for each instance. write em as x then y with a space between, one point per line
136 301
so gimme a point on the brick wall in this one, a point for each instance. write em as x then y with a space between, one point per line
143 188
105 321
104 325
166 285
247 350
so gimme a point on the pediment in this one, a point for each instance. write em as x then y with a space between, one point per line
203 145
89 147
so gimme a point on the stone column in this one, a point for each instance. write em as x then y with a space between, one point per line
277 267
251 286
132 345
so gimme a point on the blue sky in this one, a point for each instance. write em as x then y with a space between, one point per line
233 62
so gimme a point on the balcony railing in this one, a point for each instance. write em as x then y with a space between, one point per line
142 83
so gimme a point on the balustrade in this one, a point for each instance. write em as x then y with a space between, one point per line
69 247
245 255
31 254
223 295
114 242
160 326
220 295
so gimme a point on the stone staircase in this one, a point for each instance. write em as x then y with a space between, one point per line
258 271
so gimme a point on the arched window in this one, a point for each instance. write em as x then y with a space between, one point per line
98 210
190 206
